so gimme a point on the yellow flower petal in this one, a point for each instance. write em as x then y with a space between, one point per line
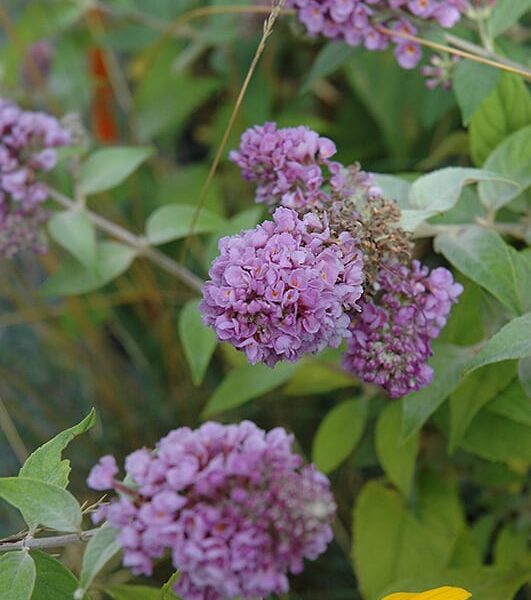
442 593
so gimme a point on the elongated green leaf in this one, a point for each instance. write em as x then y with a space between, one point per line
448 363
108 167
54 581
512 341
317 377
101 548
511 159
505 110
472 82
42 503
113 260
439 191
198 340
174 222
339 433
17 576
46 463
246 383
473 393
483 256
167 592
512 547
396 456
74 231
524 374
505 13
329 59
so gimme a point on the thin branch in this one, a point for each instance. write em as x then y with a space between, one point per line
519 70
12 435
268 30
138 243
58 541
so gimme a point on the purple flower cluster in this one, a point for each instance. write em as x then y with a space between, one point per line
233 504
27 146
359 22
284 288
287 164
391 337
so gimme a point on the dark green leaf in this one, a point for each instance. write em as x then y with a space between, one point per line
329 59
472 82
513 404
54 581
133 592
338 434
505 13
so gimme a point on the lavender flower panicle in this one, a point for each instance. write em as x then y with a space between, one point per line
27 147
287 165
356 21
233 504
283 289
391 336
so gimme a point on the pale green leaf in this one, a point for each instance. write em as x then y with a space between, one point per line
72 279
396 456
75 232
483 256
511 341
245 383
46 463
339 433
198 340
176 221
99 551
472 82
42 503
329 59
511 159
512 547
318 377
167 593
505 13
17 576
133 592
109 167
447 362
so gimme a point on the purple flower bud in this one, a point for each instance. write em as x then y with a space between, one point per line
102 475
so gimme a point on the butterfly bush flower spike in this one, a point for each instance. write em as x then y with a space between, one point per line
284 288
391 336
234 506
27 148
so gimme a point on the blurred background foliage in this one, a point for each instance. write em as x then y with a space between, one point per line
136 74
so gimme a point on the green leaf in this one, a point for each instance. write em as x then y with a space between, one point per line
71 279
133 592
329 59
175 221
245 383
46 464
483 256
54 581
447 362
42 503
166 591
439 192
505 110
511 341
511 159
198 340
394 188
524 374
317 377
100 550
396 456
17 576
505 13
472 82
513 404
339 433
474 392
512 547
74 231
497 438
107 168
